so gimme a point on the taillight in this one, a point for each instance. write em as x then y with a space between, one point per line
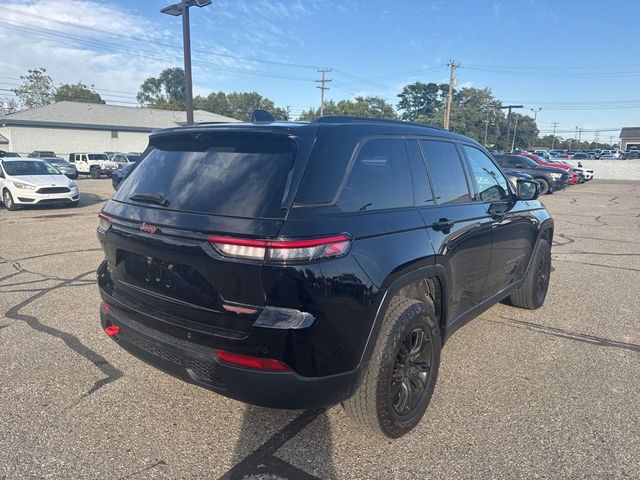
259 363
104 223
279 250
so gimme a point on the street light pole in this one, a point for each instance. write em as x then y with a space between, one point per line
188 80
176 10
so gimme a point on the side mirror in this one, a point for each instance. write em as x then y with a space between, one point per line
527 189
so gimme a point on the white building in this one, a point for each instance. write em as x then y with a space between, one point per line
630 138
66 127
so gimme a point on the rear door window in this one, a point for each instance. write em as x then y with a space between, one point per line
447 175
423 194
379 178
233 173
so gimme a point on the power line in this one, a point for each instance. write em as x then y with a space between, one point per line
169 45
100 45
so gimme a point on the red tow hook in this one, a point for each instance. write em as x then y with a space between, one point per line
112 330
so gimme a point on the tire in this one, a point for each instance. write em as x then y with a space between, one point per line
95 173
544 186
7 198
379 398
533 290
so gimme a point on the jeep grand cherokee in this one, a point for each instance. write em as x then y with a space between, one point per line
295 265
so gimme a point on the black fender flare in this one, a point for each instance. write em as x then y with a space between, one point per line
429 271
545 226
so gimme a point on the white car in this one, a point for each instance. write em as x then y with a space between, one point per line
587 172
94 164
29 181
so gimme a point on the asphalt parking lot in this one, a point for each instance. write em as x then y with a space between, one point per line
552 393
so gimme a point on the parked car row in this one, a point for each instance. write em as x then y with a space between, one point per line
83 163
589 154
551 175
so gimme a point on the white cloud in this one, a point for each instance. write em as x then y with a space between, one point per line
81 40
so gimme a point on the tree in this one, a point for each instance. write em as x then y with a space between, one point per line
526 132
36 90
371 107
78 92
164 91
469 108
422 100
239 105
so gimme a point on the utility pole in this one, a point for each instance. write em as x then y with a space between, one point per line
452 82
509 107
579 137
553 140
535 113
486 128
576 137
515 130
323 86
595 139
611 140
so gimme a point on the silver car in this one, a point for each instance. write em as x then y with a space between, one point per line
63 166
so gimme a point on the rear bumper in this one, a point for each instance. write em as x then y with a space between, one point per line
199 365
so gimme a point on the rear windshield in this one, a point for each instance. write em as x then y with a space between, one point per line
236 174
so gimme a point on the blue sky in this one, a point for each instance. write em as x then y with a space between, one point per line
568 57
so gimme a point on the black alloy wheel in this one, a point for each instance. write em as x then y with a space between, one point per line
411 371
543 276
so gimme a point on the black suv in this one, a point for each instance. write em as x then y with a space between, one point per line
296 265
549 179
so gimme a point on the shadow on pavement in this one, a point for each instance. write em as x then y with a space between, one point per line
263 463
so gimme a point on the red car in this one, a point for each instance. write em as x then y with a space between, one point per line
550 163
545 163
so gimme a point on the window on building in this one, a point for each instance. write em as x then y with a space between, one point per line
114 134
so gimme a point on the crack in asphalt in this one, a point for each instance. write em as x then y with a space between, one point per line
20 269
612 240
607 254
599 265
566 334
146 469
564 236
597 220
71 341
51 254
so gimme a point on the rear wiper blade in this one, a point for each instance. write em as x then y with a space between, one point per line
156 198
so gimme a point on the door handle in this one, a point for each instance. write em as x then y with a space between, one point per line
442 224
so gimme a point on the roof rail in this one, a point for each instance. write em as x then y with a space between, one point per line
352 119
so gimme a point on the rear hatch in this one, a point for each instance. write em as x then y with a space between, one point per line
190 186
